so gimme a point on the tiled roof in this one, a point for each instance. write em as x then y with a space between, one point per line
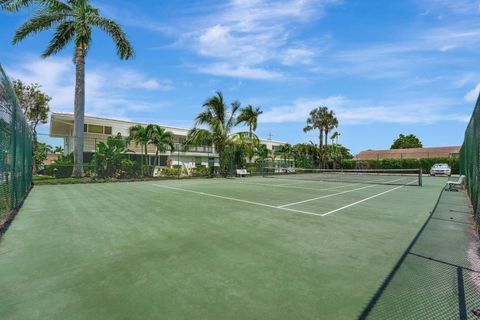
414 153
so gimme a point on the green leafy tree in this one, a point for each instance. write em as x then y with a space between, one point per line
34 103
249 116
73 21
406 142
40 153
219 122
160 138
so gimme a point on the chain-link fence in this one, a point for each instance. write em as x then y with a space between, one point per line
470 158
15 153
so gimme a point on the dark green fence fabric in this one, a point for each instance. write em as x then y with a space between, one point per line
15 152
470 158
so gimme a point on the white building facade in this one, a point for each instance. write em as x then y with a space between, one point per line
98 129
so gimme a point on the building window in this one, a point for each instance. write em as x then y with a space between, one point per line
93 128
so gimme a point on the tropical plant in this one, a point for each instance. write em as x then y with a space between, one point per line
160 138
108 156
58 149
330 122
286 150
249 116
220 122
40 154
262 151
316 121
73 21
140 136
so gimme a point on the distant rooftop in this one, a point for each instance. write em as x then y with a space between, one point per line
413 153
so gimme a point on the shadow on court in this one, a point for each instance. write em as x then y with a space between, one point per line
438 276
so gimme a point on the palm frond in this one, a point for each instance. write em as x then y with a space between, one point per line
64 33
124 48
38 23
200 137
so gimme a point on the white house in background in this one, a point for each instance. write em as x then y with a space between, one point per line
98 129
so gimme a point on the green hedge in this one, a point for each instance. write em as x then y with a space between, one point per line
424 164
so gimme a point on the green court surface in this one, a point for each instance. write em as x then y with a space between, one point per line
245 248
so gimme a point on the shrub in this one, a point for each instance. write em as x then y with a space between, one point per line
424 164
200 171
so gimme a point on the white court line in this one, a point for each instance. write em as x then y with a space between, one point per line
334 194
288 186
327 196
238 200
366 199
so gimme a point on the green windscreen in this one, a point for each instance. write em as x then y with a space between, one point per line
15 152
470 158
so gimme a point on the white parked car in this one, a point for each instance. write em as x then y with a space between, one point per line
441 169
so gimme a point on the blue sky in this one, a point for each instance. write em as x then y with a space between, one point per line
384 67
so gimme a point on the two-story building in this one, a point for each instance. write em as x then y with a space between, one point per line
98 129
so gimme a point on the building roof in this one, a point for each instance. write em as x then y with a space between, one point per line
414 153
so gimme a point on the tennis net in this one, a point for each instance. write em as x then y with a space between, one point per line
410 177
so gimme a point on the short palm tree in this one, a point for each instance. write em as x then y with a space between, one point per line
220 122
160 138
73 21
249 116
139 135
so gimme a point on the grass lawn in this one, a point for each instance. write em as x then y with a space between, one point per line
252 248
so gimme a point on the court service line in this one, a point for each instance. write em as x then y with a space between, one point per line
336 194
288 186
327 196
238 200
357 202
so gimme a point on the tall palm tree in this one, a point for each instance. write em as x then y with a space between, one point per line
249 116
139 135
330 122
73 21
160 138
220 122
316 121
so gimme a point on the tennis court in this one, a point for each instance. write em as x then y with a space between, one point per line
244 248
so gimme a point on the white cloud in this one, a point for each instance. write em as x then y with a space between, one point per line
364 112
295 56
245 72
472 95
246 34
110 92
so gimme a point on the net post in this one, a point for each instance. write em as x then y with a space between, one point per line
420 177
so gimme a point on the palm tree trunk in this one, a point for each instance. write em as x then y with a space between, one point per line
146 156
221 157
79 115
156 157
326 137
